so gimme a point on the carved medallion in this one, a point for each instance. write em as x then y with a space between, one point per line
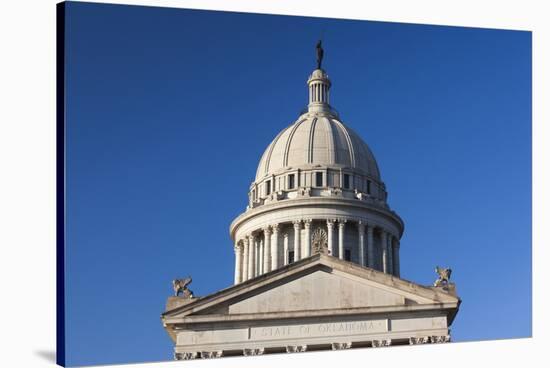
319 241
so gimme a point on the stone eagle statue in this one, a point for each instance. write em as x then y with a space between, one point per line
444 276
180 286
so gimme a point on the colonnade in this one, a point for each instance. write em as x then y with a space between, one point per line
258 252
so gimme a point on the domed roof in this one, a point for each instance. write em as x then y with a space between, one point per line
318 74
317 139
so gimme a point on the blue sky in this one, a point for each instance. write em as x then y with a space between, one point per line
168 113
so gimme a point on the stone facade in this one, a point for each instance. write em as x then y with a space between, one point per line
319 302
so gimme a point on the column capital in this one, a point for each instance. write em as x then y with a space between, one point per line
370 229
253 351
238 247
331 222
307 223
341 223
297 223
296 348
381 343
185 356
275 228
211 354
341 345
440 339
267 230
419 340
361 226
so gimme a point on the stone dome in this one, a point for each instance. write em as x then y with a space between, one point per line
317 190
317 139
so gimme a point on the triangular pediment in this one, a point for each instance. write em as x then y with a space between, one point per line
316 285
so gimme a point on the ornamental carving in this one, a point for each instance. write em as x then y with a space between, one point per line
319 241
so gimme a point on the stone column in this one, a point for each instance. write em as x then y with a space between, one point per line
370 246
275 248
260 258
390 254
297 227
361 228
341 227
384 246
330 232
245 259
396 265
306 248
285 249
251 247
238 262
267 249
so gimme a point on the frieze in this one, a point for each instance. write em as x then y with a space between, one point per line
319 329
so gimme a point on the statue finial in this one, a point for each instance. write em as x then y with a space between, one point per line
320 53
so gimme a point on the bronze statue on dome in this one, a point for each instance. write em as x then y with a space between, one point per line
320 53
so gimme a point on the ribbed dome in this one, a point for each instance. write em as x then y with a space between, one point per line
317 139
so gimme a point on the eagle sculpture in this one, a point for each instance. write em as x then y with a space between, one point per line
180 287
444 276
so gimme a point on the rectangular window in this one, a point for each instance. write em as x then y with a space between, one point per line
290 257
346 181
291 181
318 179
347 255
267 187
368 186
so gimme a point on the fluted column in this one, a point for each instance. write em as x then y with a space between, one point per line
306 248
361 236
285 249
258 257
245 259
330 232
390 254
384 246
260 260
396 265
251 247
297 227
370 246
275 248
341 227
267 249
238 261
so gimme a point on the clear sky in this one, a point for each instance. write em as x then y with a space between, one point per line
169 111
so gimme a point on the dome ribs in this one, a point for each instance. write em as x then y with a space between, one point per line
311 137
330 142
271 147
348 141
289 142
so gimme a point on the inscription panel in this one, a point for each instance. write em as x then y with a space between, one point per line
347 328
